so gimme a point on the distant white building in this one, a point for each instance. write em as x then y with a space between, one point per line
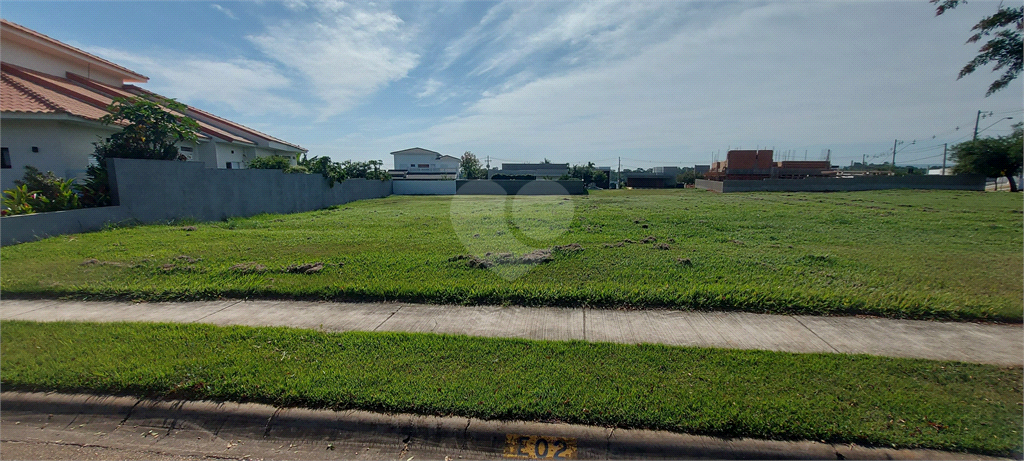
539 170
419 163
52 96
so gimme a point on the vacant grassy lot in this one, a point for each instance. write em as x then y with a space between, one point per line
835 398
915 254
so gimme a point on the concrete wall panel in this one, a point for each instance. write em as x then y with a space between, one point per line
152 191
31 227
424 187
511 187
960 182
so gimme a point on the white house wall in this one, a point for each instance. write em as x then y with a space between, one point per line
206 152
226 152
24 56
64 147
411 162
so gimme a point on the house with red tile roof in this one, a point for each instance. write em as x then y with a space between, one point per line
52 96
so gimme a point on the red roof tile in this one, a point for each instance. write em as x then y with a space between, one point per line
79 96
115 92
18 99
55 101
202 113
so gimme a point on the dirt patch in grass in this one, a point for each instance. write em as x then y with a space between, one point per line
309 268
96 262
249 268
570 248
539 256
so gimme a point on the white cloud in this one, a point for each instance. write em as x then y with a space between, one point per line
295 5
346 54
246 86
807 73
429 88
226 11
512 34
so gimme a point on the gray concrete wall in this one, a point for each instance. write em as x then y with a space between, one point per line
31 227
422 187
959 182
715 186
510 187
152 190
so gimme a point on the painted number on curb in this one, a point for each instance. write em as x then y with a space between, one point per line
539 447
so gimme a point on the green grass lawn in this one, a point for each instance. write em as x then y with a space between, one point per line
830 397
913 254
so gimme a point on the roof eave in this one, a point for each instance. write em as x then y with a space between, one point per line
44 42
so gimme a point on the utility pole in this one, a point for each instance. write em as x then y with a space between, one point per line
828 158
894 155
976 120
944 158
618 176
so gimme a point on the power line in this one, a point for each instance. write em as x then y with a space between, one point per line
923 158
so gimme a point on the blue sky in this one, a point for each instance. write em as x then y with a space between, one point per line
655 83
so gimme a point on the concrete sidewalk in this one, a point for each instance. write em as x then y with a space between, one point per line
967 342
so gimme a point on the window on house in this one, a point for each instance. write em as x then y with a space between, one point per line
5 157
424 165
186 149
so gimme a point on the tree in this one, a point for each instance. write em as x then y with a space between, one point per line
150 131
338 172
470 167
993 157
688 177
588 174
1005 49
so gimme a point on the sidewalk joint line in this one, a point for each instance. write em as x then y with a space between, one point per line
389 318
584 323
215 313
29 311
815 334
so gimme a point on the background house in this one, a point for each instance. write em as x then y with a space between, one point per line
658 178
52 96
419 163
538 170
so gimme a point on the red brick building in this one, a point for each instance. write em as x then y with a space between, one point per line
758 164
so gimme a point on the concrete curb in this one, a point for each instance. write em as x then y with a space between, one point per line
234 430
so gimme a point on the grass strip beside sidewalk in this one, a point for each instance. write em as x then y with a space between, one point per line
830 397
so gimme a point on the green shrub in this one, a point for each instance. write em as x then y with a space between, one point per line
17 201
273 162
40 192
